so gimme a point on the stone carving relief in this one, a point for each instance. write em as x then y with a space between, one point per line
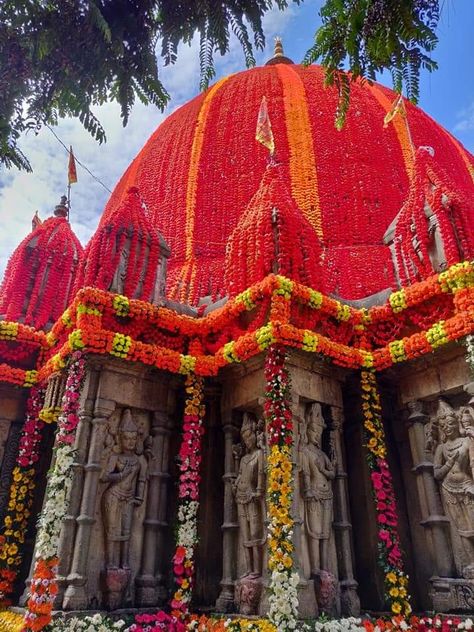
454 471
317 472
125 473
249 493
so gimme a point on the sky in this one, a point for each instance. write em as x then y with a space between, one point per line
447 95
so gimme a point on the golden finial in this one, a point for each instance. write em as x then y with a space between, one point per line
278 51
278 54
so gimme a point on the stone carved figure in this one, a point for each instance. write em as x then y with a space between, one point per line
454 468
126 474
317 472
249 490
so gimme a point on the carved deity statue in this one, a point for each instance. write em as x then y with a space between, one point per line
126 473
317 473
249 490
454 467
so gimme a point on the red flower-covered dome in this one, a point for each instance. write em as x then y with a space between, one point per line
199 170
125 253
39 278
272 236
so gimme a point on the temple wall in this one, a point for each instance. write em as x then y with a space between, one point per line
441 523
115 542
316 395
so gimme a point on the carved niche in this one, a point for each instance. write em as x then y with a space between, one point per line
452 436
124 473
317 471
249 493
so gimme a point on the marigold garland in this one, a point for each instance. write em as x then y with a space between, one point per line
20 500
43 588
390 557
283 600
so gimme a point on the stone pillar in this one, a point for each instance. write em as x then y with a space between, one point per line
435 520
350 603
66 542
151 590
75 597
225 601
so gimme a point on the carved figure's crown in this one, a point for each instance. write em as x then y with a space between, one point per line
128 425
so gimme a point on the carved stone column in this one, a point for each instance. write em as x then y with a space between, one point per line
151 590
66 542
430 501
75 597
350 603
225 601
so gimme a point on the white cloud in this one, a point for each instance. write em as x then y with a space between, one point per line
465 120
21 194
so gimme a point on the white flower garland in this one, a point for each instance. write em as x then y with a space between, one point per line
90 623
470 351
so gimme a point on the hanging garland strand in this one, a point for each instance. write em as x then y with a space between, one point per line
188 494
20 500
44 585
283 600
390 558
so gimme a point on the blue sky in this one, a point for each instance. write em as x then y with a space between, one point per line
447 95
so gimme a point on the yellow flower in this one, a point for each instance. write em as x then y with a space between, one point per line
394 592
391 577
396 607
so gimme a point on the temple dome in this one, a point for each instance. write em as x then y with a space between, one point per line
39 278
199 170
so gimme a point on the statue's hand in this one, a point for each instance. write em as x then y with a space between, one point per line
308 494
257 495
137 501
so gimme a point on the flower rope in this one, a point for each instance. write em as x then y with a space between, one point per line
20 500
470 351
188 494
44 587
283 599
390 558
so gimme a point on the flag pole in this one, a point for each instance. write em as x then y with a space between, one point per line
71 178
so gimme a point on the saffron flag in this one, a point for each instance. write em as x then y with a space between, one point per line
71 171
264 132
398 107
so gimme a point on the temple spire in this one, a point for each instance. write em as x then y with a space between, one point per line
278 54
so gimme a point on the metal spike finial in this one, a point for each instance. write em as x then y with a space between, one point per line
279 56
278 51
35 221
61 210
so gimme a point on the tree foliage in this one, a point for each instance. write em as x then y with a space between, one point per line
369 36
62 58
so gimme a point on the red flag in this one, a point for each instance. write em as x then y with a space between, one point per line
264 132
71 171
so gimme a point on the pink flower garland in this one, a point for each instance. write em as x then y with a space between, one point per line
390 557
189 465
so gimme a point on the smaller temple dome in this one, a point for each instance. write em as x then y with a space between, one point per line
272 236
127 255
38 280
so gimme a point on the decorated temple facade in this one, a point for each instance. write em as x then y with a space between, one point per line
251 393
